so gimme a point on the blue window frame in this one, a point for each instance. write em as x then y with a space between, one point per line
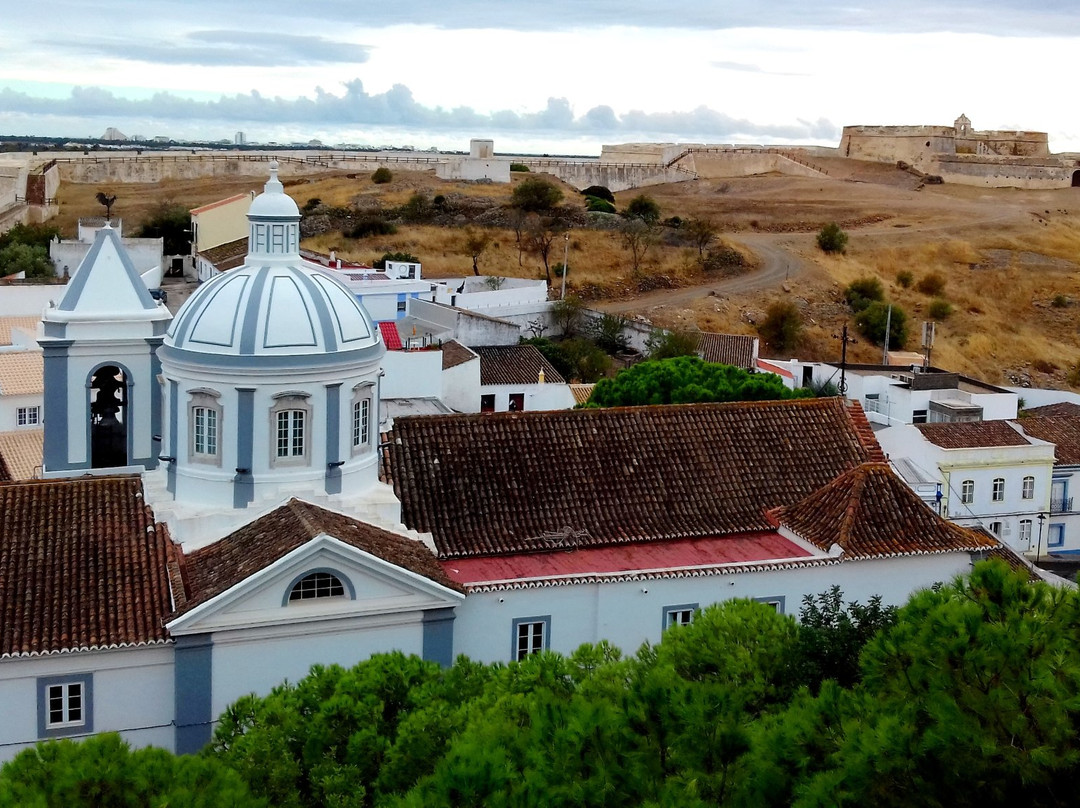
65 705
531 635
680 615
1056 535
778 602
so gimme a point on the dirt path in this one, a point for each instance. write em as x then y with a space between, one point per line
778 264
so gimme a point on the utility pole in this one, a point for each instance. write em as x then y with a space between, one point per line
888 328
565 259
843 361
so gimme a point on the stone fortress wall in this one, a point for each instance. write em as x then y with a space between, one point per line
960 154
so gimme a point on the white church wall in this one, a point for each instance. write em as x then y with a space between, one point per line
131 693
629 613
257 660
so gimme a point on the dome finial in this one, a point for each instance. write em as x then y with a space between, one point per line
273 185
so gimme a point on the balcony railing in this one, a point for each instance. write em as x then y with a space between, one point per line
1061 505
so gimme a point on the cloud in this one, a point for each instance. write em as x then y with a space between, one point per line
741 67
355 107
228 49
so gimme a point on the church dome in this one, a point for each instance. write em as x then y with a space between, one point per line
273 305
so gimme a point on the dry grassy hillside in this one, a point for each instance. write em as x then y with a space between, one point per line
1009 259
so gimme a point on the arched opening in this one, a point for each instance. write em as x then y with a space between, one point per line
1076 179
108 418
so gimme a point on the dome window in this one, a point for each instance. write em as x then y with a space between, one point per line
290 424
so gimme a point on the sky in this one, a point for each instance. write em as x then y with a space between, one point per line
562 77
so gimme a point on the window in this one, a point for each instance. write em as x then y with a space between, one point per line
361 422
401 305
1025 532
317 585
1056 536
28 416
290 433
204 426
487 403
682 615
290 422
1028 489
778 602
531 636
999 489
517 402
995 528
967 491
918 416
64 705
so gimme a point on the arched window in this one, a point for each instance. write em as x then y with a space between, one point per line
204 426
290 428
362 412
317 585
1028 491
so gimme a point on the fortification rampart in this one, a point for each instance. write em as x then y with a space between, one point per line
613 176
1032 173
1005 143
888 144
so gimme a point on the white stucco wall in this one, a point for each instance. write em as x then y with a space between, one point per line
461 386
132 695
547 396
9 406
630 613
145 254
31 299
412 374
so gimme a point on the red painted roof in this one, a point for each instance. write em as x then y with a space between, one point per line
390 335
759 546
777 369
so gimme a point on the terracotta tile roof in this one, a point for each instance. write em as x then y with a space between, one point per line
870 512
5 472
972 435
227 256
21 453
1061 430
582 392
8 324
1013 559
497 483
729 349
514 364
214 569
82 565
1066 408
390 335
454 354
22 373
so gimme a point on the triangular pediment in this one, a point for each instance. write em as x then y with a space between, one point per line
374 590
106 282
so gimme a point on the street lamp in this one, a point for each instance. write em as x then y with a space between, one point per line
1038 547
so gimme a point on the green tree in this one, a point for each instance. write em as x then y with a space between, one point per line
35 235
782 327
701 233
685 380
861 292
664 344
831 239
417 209
104 772
599 192
475 243
33 260
535 195
171 222
609 333
541 232
872 322
643 207
567 315
575 359
382 175
637 236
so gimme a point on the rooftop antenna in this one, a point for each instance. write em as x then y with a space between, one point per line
843 361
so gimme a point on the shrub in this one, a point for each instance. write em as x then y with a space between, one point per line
311 204
723 259
600 192
663 344
609 333
940 308
782 326
932 284
832 239
535 195
519 167
380 263
382 175
1059 302
371 226
645 208
905 278
861 292
674 222
871 324
418 209
595 204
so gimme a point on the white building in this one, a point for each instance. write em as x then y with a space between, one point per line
213 519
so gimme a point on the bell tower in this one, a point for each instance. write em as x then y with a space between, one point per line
102 396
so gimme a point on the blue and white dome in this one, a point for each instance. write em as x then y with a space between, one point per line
273 305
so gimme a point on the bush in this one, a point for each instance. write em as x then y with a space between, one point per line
645 208
782 327
905 278
940 308
871 324
674 222
600 192
29 259
595 204
663 344
1059 302
832 239
519 167
418 209
861 292
380 263
723 259
932 284
371 226
311 204
535 195
382 175
609 333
